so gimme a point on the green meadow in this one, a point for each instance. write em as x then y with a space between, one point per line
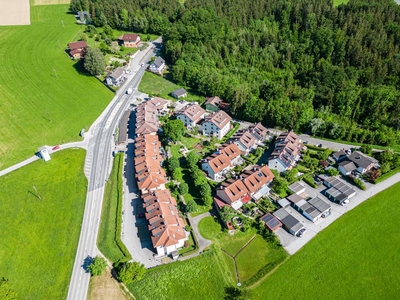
40 229
44 99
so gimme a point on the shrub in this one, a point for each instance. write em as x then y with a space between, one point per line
98 266
332 172
131 272
184 188
310 181
358 182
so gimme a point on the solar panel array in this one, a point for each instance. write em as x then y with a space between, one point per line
270 221
341 187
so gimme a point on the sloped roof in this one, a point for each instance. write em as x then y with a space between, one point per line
214 101
257 177
179 92
348 165
193 111
158 62
118 72
219 118
234 189
77 45
218 162
362 160
128 37
230 150
258 130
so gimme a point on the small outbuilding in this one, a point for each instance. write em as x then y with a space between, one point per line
297 188
290 223
44 154
179 93
271 222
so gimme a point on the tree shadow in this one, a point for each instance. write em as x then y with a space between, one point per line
78 66
86 263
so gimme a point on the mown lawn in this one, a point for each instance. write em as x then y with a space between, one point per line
153 84
39 238
354 258
257 254
202 277
44 98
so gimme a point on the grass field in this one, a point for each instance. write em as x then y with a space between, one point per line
153 84
45 100
202 277
39 237
249 260
109 239
354 258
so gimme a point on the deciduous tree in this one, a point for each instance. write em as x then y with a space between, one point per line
94 62
98 266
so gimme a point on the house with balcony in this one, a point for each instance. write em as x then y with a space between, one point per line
286 152
245 141
259 132
257 181
116 77
157 66
216 166
77 50
234 193
167 228
216 124
232 152
190 115
363 162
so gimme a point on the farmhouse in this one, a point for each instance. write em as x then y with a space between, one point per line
217 124
289 222
157 66
129 40
286 152
179 93
363 162
190 115
338 191
234 193
271 222
116 78
77 49
257 181
165 225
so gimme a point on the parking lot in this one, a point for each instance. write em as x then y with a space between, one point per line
292 243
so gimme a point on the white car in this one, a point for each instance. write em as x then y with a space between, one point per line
345 202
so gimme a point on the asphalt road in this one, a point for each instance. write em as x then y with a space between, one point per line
98 165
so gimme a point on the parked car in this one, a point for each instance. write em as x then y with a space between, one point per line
55 148
320 145
301 232
345 202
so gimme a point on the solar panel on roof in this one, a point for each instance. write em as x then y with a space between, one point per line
272 223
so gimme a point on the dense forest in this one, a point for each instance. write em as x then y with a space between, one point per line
304 64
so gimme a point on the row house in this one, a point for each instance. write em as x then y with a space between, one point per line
250 184
219 163
147 116
148 171
248 140
167 228
286 152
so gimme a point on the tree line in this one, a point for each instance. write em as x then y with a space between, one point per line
302 65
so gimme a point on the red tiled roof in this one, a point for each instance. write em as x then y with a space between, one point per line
77 45
128 37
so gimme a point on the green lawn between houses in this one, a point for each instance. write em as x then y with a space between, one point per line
354 258
39 238
44 99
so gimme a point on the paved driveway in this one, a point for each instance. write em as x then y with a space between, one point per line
292 244
135 234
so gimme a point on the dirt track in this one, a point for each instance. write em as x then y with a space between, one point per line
15 12
48 2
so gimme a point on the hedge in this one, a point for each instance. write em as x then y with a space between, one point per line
263 272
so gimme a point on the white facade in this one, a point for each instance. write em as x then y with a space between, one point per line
343 171
277 164
44 154
167 250
210 129
215 176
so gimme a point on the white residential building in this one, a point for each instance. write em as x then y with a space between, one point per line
190 115
217 124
